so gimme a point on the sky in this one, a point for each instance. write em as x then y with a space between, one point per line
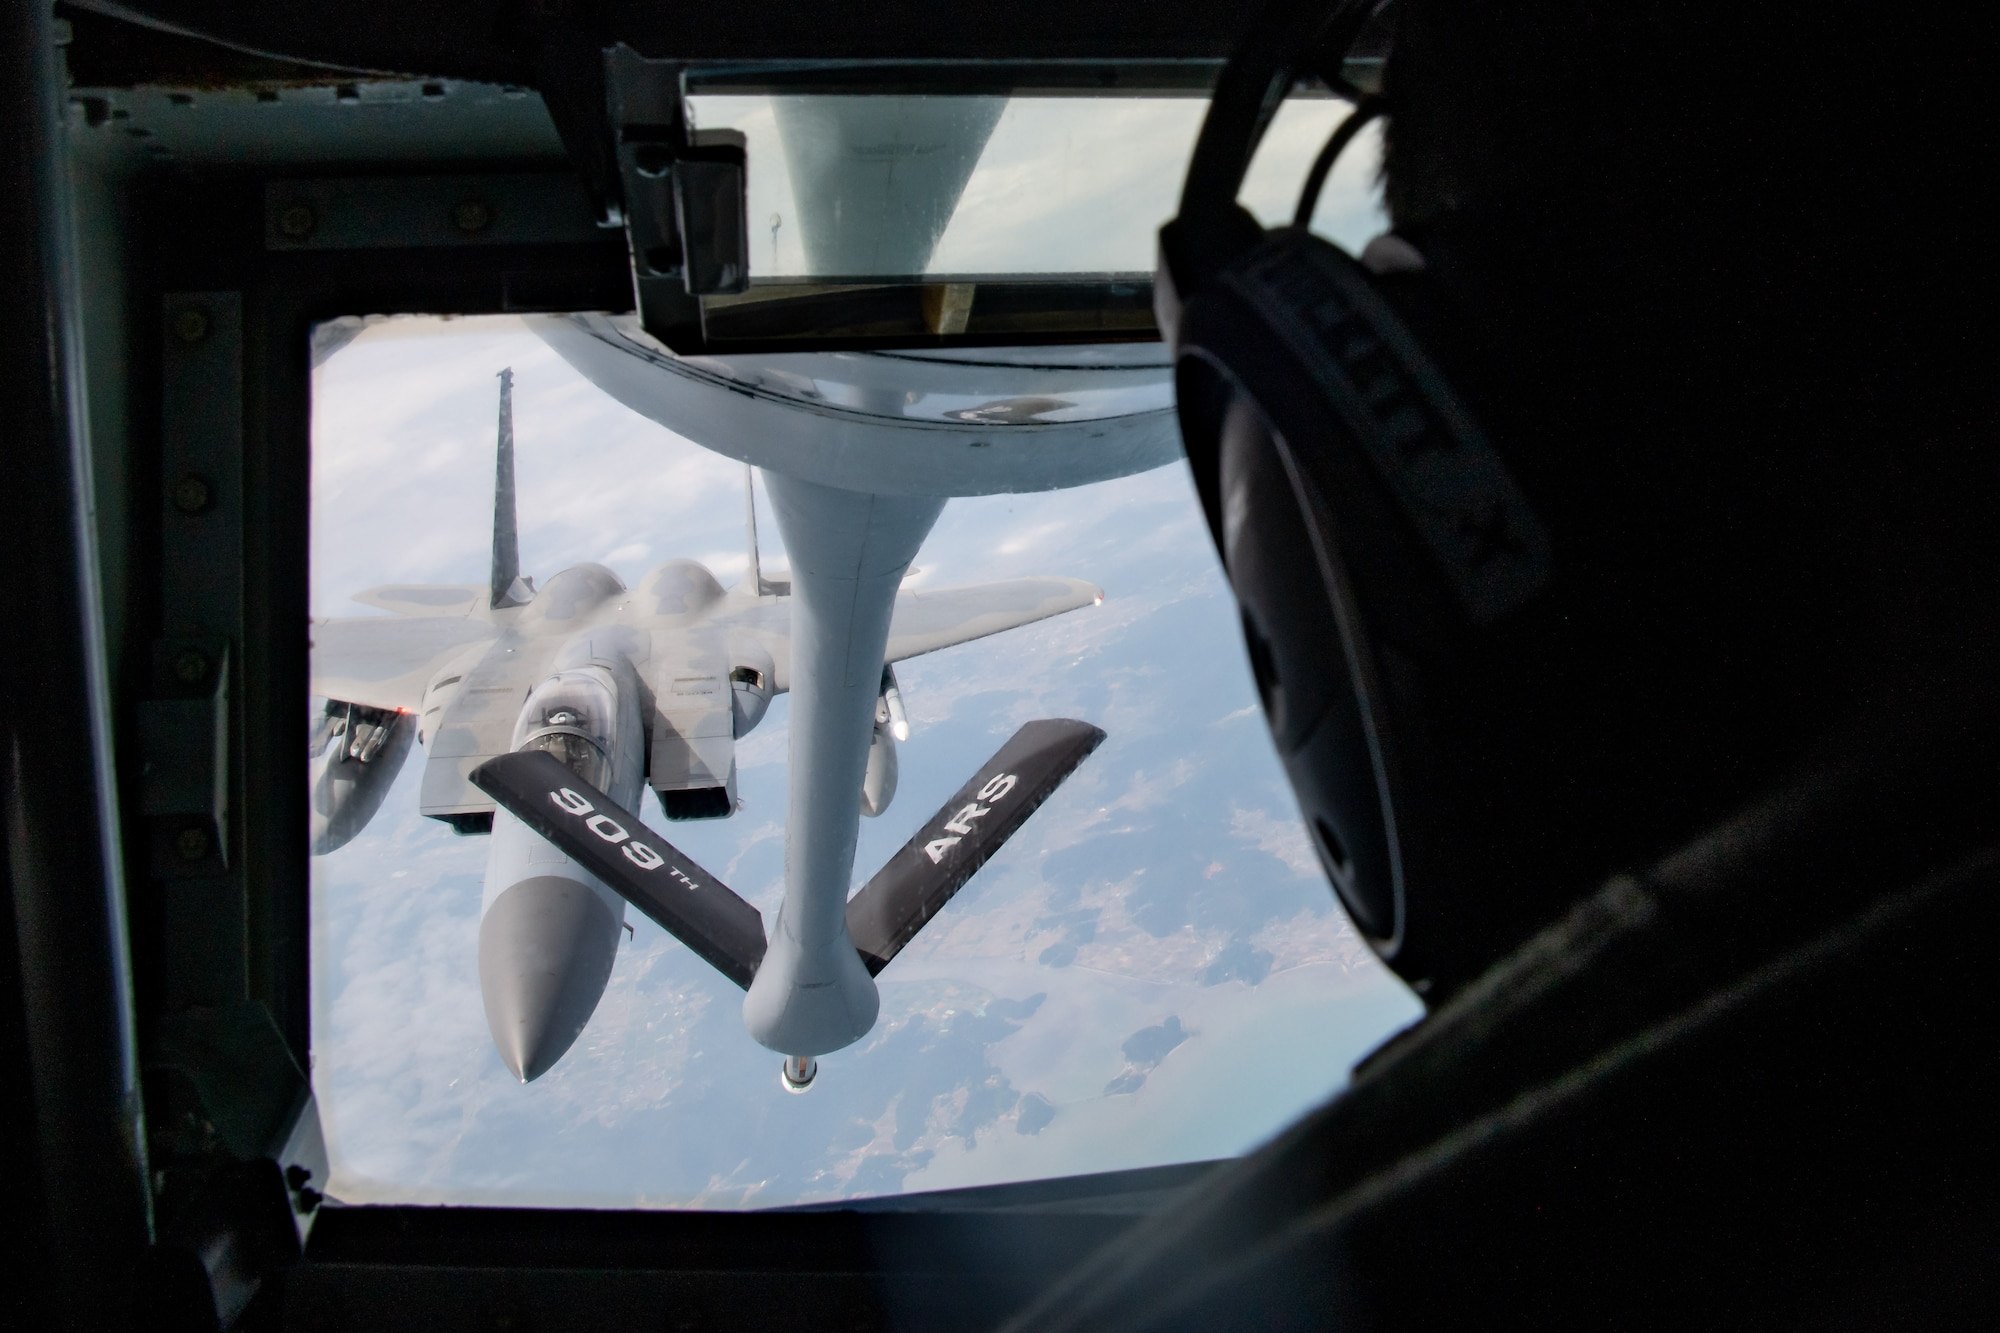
1153 970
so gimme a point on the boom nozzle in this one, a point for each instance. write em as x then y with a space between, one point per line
799 1073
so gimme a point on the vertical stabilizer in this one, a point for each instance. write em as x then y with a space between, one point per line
507 587
756 577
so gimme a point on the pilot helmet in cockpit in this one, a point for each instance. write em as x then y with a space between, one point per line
570 716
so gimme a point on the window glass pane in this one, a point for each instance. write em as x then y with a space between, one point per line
1152 971
965 187
576 754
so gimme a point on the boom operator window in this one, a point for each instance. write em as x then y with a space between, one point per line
1135 979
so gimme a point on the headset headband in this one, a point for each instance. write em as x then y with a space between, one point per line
1288 38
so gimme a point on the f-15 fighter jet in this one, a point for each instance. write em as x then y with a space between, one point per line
545 711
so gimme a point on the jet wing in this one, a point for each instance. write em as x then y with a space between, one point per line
385 661
932 619
929 620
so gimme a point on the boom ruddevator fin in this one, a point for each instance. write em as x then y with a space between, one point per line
645 869
701 912
915 883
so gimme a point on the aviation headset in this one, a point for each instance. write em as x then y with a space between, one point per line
1375 540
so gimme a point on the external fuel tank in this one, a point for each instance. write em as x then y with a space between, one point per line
355 755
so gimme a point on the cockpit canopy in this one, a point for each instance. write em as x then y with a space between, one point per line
571 715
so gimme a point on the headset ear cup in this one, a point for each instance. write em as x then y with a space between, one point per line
1315 702
1440 539
1376 542
1365 630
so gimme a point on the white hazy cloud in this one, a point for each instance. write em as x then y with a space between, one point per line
1168 880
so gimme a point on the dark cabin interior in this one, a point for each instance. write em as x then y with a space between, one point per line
1719 1065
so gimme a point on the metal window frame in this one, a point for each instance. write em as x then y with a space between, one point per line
165 1138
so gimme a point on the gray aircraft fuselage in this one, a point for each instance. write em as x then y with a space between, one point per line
576 671
588 669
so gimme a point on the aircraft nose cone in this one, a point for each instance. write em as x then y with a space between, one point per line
545 952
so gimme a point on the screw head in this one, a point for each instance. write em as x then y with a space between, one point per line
190 667
471 216
297 222
191 325
192 494
191 843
